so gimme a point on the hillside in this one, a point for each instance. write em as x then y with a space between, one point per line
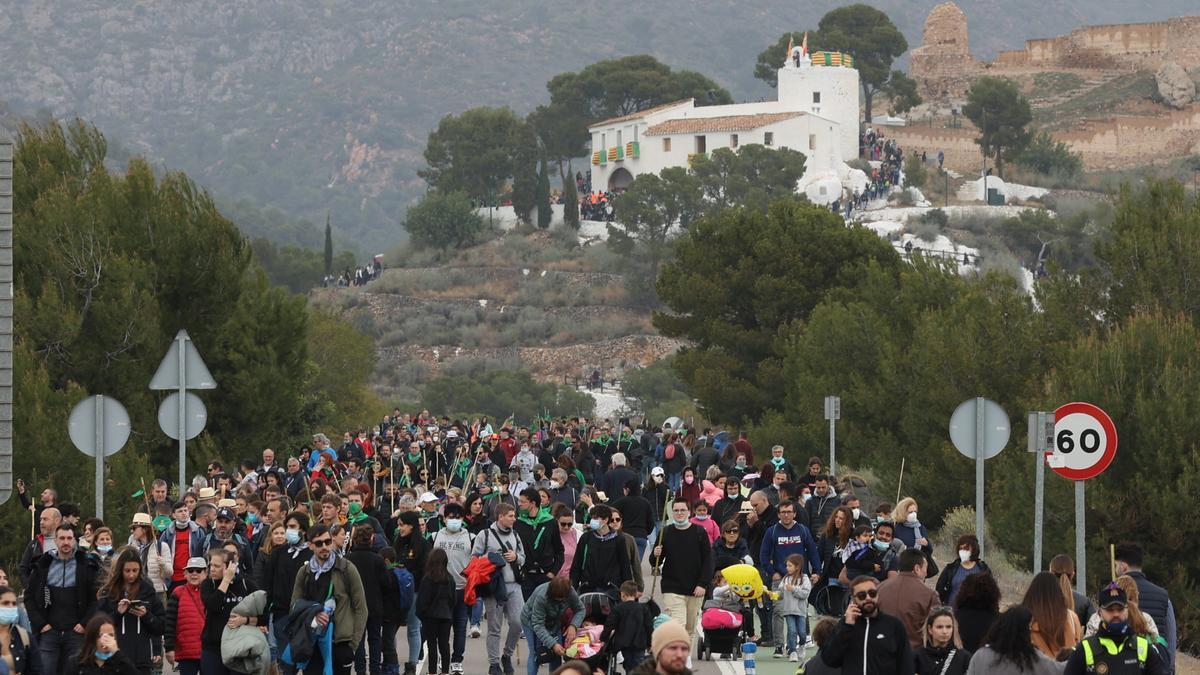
534 301
326 106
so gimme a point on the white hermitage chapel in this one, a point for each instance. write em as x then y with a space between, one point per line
816 113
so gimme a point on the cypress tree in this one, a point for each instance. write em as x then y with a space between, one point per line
543 196
328 247
570 200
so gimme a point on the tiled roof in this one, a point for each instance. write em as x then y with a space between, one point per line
639 114
689 125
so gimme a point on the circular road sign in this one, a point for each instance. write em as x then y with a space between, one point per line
995 428
81 425
1085 441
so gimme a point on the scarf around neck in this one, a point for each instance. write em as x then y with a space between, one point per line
317 569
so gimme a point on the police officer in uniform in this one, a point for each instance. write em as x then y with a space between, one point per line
1115 650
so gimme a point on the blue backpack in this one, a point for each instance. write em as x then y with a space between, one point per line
405 588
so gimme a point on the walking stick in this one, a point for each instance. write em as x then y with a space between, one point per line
901 481
662 529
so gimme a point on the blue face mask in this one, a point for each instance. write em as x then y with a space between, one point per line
103 656
292 536
594 524
252 518
104 548
8 615
880 545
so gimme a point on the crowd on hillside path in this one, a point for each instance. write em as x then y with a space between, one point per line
315 560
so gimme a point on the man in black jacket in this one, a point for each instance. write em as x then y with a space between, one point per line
867 640
60 600
823 503
617 477
43 543
538 531
637 515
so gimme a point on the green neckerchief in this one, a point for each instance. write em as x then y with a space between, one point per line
464 465
412 459
543 515
353 518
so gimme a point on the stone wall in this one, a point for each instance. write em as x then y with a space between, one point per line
944 68
1110 143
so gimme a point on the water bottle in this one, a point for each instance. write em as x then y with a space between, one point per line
330 605
748 654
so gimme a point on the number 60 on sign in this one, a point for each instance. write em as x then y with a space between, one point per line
1085 441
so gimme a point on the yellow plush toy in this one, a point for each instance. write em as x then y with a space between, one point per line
745 582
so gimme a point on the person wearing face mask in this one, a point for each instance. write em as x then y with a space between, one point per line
685 559
852 502
908 525
100 652
457 541
279 572
690 487
1154 598
560 491
16 643
780 462
968 563
1120 644
523 463
601 561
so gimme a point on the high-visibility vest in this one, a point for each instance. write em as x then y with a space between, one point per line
1113 657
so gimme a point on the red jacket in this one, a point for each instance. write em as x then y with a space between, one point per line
510 448
185 622
478 572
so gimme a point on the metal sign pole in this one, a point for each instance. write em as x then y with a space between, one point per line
832 445
182 413
1080 536
1039 503
100 456
980 415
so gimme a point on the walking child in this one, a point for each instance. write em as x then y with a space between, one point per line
794 604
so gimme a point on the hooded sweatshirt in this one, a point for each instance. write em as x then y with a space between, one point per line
458 551
523 462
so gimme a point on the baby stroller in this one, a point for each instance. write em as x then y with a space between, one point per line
726 641
596 608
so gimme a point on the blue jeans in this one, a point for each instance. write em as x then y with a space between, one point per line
674 480
795 632
641 543
59 650
459 623
535 650
476 614
414 635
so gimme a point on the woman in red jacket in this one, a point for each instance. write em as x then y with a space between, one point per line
185 620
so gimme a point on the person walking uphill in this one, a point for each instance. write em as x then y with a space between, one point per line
687 568
867 640
328 576
539 538
500 539
60 599
785 538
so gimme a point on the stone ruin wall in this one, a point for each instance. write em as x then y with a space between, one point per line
1110 143
944 68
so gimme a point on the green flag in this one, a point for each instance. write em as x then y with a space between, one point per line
137 494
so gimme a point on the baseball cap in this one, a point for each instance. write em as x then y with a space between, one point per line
226 513
428 497
196 564
657 471
1111 595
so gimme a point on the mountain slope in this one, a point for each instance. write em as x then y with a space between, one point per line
309 107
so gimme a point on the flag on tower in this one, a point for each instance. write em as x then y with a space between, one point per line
804 45
791 46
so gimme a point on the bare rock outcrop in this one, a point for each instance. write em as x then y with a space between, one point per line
1175 86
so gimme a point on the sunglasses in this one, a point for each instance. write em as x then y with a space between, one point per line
193 571
733 531
322 543
566 525
614 520
863 595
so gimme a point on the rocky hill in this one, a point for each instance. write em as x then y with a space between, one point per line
531 301
309 107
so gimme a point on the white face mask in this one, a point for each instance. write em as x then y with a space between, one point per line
912 517
964 556
554 485
857 513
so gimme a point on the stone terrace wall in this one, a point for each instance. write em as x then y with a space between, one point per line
962 152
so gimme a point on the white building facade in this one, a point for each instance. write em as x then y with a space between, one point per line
816 113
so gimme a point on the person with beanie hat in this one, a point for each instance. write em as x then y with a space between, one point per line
670 647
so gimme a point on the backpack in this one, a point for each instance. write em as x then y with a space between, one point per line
669 451
405 588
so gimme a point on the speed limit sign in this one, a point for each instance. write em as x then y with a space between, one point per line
1085 441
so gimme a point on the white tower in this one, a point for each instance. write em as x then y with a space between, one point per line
829 91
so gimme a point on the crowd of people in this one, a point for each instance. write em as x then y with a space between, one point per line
429 527
359 276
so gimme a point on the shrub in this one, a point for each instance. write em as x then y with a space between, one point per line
915 174
936 217
1050 157
443 221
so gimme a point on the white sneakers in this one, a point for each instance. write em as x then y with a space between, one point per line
795 656
475 630
456 668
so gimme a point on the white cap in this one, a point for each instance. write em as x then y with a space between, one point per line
428 497
657 471
196 564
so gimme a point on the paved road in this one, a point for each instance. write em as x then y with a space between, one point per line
476 663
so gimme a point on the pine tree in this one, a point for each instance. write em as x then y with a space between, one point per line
543 195
328 247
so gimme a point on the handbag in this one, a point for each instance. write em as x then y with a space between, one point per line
931 566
